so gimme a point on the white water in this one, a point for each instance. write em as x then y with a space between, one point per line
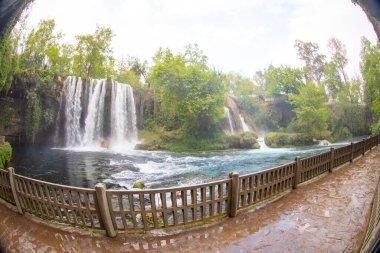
123 117
89 107
73 90
227 112
244 125
94 120
263 146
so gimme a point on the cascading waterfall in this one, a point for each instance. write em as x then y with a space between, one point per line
87 118
123 117
95 113
227 112
243 124
73 108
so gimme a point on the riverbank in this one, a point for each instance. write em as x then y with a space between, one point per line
327 215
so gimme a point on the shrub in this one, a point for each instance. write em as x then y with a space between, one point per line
5 154
246 140
276 140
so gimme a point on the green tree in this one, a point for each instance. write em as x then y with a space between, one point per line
314 61
345 93
283 80
370 56
191 95
310 108
93 54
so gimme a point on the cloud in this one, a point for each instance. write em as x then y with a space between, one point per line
240 35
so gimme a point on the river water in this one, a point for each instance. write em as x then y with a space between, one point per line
85 167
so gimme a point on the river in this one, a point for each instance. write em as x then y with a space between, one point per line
85 167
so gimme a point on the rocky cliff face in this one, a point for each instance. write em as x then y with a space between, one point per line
372 9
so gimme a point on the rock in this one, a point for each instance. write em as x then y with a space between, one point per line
138 185
105 143
324 143
247 140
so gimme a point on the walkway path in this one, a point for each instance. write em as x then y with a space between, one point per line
327 215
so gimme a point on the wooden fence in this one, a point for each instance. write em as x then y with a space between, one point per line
136 210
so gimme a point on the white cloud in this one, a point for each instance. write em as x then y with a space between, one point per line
239 35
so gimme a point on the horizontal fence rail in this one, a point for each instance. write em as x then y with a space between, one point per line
136 210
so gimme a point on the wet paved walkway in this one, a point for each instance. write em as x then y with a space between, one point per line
327 215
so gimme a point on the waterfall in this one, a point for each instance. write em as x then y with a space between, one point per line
73 90
93 128
227 112
123 117
261 141
86 114
243 124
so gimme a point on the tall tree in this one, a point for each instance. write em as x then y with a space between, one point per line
283 80
314 61
191 95
311 111
370 56
93 54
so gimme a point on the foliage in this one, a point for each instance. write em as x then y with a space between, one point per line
246 140
239 85
310 108
191 95
93 54
314 61
5 154
277 140
283 80
138 185
32 116
6 114
370 56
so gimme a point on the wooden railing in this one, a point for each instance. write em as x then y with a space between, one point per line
136 210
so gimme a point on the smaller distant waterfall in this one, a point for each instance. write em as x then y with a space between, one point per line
244 125
227 112
261 141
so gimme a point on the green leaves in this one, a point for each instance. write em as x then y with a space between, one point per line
283 80
370 68
311 111
93 54
188 91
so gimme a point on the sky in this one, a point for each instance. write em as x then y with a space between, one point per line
241 36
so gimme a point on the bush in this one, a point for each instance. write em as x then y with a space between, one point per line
5 154
277 140
246 140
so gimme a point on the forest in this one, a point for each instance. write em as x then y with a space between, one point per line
181 98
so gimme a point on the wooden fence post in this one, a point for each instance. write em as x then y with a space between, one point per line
235 188
11 172
2 140
352 152
104 210
297 172
332 150
364 146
